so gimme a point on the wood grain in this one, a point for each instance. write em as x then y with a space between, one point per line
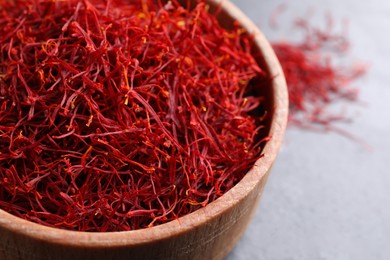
209 233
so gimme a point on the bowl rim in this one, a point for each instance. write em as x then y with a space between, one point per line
201 216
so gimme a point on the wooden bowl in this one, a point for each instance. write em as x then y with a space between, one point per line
208 233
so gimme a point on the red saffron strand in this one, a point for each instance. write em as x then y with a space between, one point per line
314 82
118 115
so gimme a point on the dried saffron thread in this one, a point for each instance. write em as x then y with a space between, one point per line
119 115
314 81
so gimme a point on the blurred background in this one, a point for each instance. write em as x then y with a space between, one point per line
328 196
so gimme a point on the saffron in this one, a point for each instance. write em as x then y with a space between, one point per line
314 82
120 115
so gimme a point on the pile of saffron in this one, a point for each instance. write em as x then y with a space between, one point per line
315 82
119 115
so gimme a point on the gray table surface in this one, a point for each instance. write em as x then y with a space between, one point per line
328 197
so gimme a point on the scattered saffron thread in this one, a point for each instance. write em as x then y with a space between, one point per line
119 115
314 82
